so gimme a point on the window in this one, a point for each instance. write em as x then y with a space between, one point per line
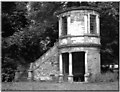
93 24
64 25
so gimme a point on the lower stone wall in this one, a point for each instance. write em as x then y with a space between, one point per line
94 62
47 69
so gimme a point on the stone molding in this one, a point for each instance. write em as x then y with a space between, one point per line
79 45
86 35
77 8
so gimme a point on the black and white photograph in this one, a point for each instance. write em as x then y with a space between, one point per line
60 46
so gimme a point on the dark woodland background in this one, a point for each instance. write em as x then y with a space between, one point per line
29 29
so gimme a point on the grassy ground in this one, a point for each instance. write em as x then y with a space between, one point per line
59 86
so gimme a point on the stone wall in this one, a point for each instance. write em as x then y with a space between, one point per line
93 62
47 65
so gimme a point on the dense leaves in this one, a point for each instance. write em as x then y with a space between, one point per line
29 29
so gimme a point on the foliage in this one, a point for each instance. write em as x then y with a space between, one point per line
109 32
13 21
13 18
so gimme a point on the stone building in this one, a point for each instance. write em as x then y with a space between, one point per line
76 56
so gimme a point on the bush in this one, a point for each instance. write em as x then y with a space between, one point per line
105 77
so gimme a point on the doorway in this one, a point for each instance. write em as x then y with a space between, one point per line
65 58
78 59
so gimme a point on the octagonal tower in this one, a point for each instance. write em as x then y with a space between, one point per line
79 44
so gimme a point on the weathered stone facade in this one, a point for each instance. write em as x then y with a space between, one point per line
76 56
47 66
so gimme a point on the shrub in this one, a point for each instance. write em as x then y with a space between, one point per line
105 77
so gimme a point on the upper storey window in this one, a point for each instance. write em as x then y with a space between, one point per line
93 24
64 26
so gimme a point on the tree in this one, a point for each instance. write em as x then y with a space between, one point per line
109 32
13 21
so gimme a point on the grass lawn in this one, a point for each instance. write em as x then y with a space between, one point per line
59 86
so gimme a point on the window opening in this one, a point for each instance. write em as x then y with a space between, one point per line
64 25
92 24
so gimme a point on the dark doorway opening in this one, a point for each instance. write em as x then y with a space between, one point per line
65 58
78 59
